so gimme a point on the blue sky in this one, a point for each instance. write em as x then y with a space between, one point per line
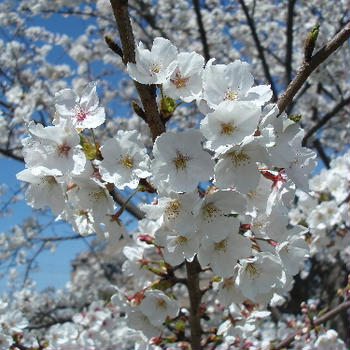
54 267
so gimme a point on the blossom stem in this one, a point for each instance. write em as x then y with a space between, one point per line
195 295
120 211
330 314
308 67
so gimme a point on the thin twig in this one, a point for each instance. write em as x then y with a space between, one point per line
289 42
130 207
260 49
308 67
202 33
327 316
322 153
325 119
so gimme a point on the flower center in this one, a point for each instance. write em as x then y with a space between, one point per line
180 161
161 303
252 270
97 194
210 211
227 128
63 149
181 240
49 179
155 69
230 95
127 161
179 81
172 210
239 157
80 113
220 246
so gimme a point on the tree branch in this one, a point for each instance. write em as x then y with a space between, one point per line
325 119
260 49
201 29
308 67
9 154
289 42
330 314
131 208
147 93
322 153
194 292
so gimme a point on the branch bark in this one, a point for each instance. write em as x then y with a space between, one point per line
327 316
260 49
131 208
322 153
194 292
289 42
308 67
325 119
201 29
147 93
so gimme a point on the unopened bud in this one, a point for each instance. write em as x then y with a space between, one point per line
310 42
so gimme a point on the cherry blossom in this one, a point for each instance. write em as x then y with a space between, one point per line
155 66
180 162
125 160
83 111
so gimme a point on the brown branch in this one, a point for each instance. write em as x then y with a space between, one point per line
308 67
289 42
9 154
114 47
325 119
145 14
327 316
201 29
260 49
195 295
63 238
321 153
131 208
147 93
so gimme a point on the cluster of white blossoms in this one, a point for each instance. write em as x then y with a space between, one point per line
223 190
326 210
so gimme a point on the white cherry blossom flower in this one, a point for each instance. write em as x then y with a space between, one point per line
230 123
179 247
230 82
92 195
157 306
329 340
215 218
237 166
292 253
180 162
223 255
259 275
155 66
186 81
228 292
54 147
44 189
125 160
83 111
177 212
138 320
